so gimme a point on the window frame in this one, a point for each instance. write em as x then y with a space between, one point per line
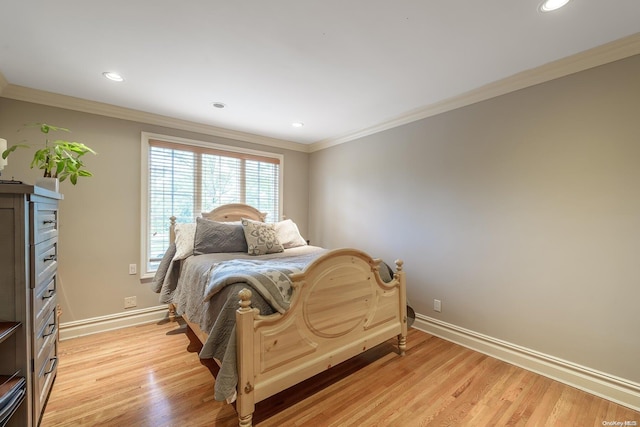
146 137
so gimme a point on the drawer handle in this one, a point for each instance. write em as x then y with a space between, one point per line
53 365
53 329
49 258
49 221
50 293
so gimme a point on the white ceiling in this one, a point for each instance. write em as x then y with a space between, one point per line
339 66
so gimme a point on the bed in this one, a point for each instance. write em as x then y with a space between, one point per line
333 305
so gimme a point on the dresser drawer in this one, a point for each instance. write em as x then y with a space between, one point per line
46 333
44 375
44 301
45 261
45 221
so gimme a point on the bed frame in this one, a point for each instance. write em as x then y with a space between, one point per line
340 307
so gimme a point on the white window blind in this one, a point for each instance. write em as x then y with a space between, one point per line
186 180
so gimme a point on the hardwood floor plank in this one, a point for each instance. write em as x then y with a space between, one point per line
144 376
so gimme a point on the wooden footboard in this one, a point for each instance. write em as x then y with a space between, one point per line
340 308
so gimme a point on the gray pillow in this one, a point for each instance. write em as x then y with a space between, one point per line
215 237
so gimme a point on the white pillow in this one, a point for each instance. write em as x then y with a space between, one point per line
185 236
289 235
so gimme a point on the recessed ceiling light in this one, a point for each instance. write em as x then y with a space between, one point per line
550 5
297 124
113 76
218 105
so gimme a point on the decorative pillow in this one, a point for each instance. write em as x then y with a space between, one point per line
261 237
214 237
185 234
289 235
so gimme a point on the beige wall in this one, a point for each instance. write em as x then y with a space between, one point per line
520 213
100 217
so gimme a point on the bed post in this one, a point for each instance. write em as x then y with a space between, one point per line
172 229
172 312
399 276
172 239
245 404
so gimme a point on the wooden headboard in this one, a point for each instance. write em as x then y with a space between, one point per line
224 213
234 212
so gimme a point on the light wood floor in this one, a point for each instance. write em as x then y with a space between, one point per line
143 376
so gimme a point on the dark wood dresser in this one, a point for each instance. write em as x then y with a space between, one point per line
28 321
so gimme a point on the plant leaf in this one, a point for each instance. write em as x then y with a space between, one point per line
58 158
11 149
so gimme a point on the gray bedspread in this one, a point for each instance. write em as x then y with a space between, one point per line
205 288
270 277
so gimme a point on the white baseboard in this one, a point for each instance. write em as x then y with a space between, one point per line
610 387
113 321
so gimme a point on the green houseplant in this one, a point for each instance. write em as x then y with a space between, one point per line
58 158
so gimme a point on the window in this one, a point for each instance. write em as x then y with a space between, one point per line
183 178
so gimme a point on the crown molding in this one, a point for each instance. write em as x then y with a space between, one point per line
21 93
597 56
591 58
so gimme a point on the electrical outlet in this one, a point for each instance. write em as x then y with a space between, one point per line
130 302
437 305
133 269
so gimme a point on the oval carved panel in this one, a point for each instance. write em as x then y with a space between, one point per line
338 303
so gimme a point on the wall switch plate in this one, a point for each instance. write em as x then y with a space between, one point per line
133 268
130 302
437 305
